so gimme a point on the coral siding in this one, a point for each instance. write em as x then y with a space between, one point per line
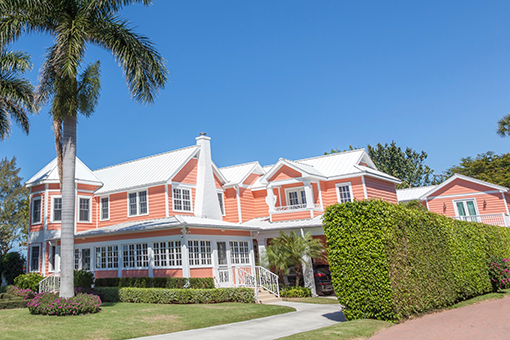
295 215
201 272
86 187
50 225
130 236
188 173
81 226
198 232
171 204
100 274
230 199
285 173
54 186
315 190
118 209
135 273
251 179
167 273
494 204
217 182
329 194
37 188
460 186
259 203
47 258
381 189
247 207
39 226
284 194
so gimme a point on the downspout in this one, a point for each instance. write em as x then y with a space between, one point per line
506 204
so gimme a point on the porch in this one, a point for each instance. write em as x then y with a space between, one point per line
502 220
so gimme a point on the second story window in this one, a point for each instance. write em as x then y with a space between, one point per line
182 199
57 209
137 203
34 258
220 200
105 208
84 209
296 197
36 210
344 193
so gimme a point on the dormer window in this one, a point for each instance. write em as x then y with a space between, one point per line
296 197
182 199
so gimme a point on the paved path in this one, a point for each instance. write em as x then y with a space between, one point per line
306 317
488 320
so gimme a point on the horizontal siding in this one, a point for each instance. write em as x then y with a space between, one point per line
259 202
100 274
285 173
86 226
188 173
217 182
231 213
247 206
130 236
201 272
282 189
50 225
37 188
54 186
445 206
167 272
135 273
251 179
329 194
377 188
299 215
86 187
460 186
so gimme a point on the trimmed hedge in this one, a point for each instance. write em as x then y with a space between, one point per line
177 296
9 301
388 262
156 282
295 292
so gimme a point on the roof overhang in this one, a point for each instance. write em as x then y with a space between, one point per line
465 178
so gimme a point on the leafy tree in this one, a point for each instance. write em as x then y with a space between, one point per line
16 94
74 24
487 167
504 126
11 265
414 204
13 205
287 251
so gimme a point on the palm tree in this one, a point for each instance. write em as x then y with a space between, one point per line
504 126
74 24
288 250
16 94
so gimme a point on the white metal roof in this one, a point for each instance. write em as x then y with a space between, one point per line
236 174
466 178
144 171
405 195
264 224
49 174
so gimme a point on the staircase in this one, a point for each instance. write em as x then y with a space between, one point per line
265 297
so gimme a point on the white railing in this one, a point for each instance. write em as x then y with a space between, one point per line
49 284
297 207
245 279
502 220
268 280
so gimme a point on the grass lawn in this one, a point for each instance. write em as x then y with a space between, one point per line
128 320
317 300
482 298
356 329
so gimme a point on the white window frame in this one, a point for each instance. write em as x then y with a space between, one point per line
38 246
53 209
222 202
96 263
190 198
135 255
36 198
101 208
77 259
137 192
201 257
82 258
464 200
175 251
89 198
243 257
299 196
343 184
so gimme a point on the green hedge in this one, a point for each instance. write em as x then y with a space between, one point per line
8 301
389 262
177 296
156 282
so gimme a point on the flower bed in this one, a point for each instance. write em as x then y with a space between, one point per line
26 294
9 301
51 304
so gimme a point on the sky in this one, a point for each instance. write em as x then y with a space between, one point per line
272 79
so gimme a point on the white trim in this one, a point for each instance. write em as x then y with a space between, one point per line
463 195
427 201
238 199
52 210
343 184
89 198
364 187
109 211
39 262
466 178
183 187
320 193
200 252
45 218
36 198
167 208
505 202
299 196
223 213
137 192
135 256
465 206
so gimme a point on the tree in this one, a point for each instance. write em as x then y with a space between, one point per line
287 251
74 24
13 200
487 167
16 94
504 126
11 266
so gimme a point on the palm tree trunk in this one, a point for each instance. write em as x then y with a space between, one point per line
57 129
68 208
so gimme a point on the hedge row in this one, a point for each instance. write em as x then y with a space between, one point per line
8 301
389 262
156 282
176 296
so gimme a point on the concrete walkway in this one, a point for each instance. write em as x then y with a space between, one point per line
306 317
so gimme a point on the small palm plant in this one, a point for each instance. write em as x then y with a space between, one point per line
288 251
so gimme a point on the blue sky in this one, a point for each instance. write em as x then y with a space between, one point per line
292 79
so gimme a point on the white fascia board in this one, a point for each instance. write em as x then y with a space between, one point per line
182 165
133 188
56 181
218 173
396 181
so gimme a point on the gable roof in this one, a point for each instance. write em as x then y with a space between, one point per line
237 174
465 178
49 174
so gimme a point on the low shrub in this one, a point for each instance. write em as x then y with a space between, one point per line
81 290
176 296
295 292
28 281
3 289
9 301
499 273
83 278
25 294
156 282
51 304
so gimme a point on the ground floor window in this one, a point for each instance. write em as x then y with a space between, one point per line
77 259
51 260
107 257
136 255
239 252
85 259
167 254
199 253
35 259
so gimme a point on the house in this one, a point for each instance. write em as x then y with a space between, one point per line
464 198
176 214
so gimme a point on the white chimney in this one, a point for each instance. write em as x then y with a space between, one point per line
206 201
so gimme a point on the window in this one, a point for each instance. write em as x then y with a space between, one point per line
36 210
84 209
182 199
136 255
107 257
239 252
466 210
296 198
34 258
344 192
77 259
105 208
199 253
137 203
85 259
52 254
220 199
56 211
167 254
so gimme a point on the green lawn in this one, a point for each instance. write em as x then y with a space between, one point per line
128 320
317 300
482 298
356 329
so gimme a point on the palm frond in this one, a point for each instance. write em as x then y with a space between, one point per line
89 87
14 61
504 126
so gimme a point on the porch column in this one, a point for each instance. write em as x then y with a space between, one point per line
44 247
120 259
310 203
262 244
150 254
308 277
270 199
185 257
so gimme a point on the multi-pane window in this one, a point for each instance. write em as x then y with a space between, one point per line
167 254
77 259
52 254
344 193
105 208
296 197
85 259
466 210
239 252
199 253
220 200
36 210
57 209
137 203
135 255
34 259
84 209
182 199
107 257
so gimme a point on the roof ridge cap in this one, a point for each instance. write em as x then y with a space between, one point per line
332 154
236 165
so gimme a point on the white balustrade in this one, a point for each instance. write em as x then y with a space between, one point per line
502 220
49 284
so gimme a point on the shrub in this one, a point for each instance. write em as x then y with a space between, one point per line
156 282
176 296
9 301
11 266
26 294
3 289
499 273
83 278
295 292
28 281
51 304
389 262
